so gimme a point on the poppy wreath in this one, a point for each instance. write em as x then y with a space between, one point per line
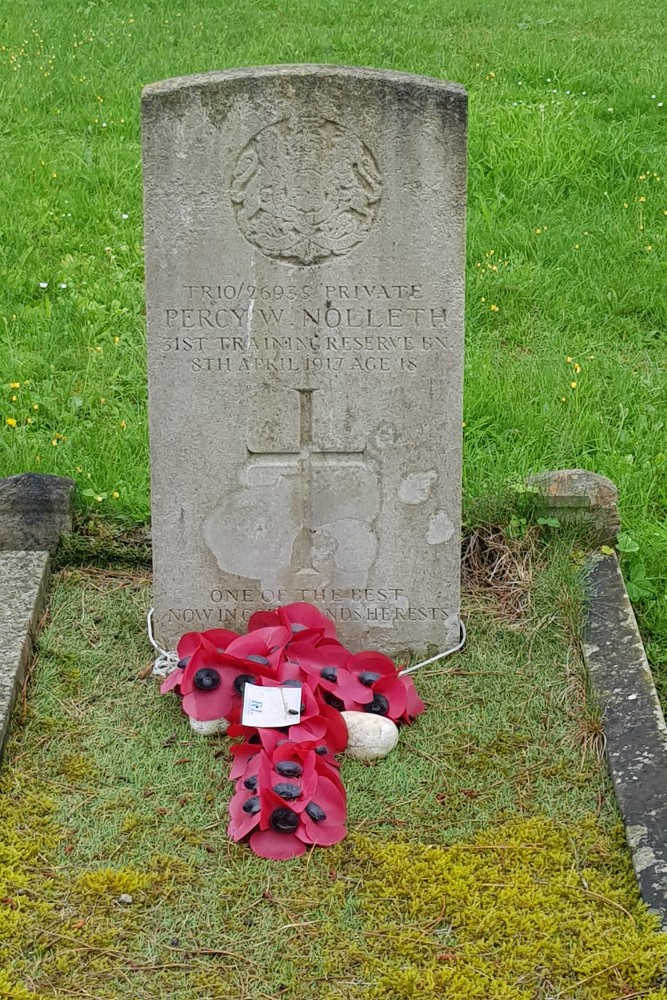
288 792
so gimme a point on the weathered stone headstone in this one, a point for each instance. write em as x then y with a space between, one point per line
304 231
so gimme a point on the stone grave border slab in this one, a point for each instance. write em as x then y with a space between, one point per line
24 580
35 510
634 724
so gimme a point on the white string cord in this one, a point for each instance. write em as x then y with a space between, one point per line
438 656
167 661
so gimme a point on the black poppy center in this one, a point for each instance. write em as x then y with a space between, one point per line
251 783
284 820
252 805
321 750
287 790
206 679
289 768
368 678
256 658
316 812
183 662
329 674
378 706
335 702
241 681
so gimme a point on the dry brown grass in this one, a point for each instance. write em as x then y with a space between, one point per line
497 571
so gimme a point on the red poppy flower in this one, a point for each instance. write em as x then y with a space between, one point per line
371 684
214 640
414 706
297 617
212 684
264 643
293 796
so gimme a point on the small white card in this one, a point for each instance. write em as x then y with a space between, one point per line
270 707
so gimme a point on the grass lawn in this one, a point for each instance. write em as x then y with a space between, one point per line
485 858
566 308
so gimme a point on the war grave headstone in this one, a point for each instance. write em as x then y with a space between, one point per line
304 233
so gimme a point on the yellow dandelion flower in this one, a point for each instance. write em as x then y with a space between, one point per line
10 422
14 398
116 340
642 198
115 494
562 399
573 385
625 204
577 369
14 385
99 499
54 442
568 360
538 232
494 308
642 177
123 425
35 406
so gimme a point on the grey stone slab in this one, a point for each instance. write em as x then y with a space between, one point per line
304 231
35 510
23 586
634 725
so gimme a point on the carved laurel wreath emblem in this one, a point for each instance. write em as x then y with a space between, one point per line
305 190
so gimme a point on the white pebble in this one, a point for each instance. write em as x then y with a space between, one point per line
211 728
370 736
125 899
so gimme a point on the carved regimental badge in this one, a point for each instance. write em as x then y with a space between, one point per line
305 190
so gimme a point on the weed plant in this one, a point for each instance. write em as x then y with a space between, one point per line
566 305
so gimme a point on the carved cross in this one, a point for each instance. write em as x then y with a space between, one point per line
304 461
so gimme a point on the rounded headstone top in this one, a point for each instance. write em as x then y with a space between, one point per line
455 91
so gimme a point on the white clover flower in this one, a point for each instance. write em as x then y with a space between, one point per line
43 284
